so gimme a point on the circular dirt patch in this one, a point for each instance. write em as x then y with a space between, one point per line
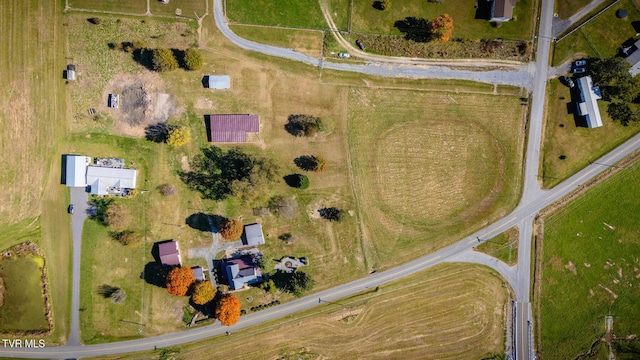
143 102
432 171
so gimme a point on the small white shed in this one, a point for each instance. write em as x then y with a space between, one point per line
217 82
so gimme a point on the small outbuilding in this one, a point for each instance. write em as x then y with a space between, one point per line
252 235
217 81
70 74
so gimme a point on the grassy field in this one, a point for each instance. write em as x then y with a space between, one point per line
23 308
591 257
121 6
340 13
578 145
286 13
503 246
410 318
34 119
366 19
187 8
601 37
423 180
569 7
305 41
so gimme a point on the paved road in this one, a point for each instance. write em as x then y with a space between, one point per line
79 199
533 201
448 254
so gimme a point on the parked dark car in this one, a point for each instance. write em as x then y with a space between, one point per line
567 81
70 209
360 44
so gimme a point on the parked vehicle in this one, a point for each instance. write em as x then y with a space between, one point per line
360 44
580 63
70 209
344 55
578 70
567 81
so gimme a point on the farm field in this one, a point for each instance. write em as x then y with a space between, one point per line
305 41
600 38
591 257
578 145
367 19
186 8
396 321
122 6
33 119
429 167
283 13
503 247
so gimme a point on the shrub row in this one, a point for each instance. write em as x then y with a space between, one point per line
265 306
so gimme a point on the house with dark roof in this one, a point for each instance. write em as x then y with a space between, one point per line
169 253
502 10
241 272
588 106
252 235
231 128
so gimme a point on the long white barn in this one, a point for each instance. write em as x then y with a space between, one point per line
102 180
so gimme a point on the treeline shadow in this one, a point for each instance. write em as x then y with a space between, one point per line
205 222
415 29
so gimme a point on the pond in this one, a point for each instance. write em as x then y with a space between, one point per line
24 306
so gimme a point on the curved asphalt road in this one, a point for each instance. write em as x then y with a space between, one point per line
533 201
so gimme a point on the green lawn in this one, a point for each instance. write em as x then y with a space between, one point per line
287 13
186 8
306 41
591 267
431 167
601 37
578 145
503 246
367 19
567 8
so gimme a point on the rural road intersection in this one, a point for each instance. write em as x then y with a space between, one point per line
533 200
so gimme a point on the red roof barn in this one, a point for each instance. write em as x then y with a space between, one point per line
231 128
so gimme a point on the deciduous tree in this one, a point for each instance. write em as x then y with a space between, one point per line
179 136
228 310
231 229
128 238
202 292
163 60
116 215
193 59
179 281
442 27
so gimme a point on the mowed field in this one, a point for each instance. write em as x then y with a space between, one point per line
412 318
569 148
33 120
367 19
431 167
591 268
308 42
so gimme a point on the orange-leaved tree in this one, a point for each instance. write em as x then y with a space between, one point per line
179 280
228 310
441 28
231 229
202 292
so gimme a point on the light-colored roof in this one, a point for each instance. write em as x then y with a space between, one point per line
101 178
198 273
588 107
218 81
76 171
242 271
634 59
71 74
231 127
253 235
169 253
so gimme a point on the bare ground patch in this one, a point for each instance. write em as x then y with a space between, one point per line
143 102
